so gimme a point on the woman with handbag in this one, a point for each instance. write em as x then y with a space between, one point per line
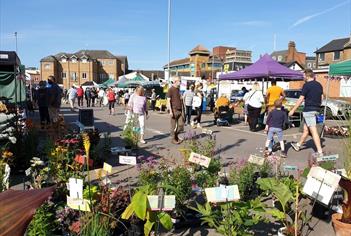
254 102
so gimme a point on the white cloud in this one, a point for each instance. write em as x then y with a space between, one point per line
307 18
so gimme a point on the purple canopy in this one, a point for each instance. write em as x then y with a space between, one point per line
265 67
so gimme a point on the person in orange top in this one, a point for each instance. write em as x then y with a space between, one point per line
274 93
222 101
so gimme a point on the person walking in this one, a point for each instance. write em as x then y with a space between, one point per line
188 102
94 95
138 107
126 98
276 121
273 93
153 99
55 96
101 96
88 96
174 105
43 103
197 106
111 97
254 106
80 94
72 94
312 92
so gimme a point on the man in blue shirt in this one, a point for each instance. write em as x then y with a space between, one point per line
312 92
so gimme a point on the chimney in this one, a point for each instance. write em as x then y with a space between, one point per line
291 52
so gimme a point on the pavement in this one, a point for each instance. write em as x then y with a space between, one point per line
233 143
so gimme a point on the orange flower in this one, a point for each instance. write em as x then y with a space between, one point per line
7 154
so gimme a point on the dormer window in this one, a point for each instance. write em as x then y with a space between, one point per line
63 58
74 59
84 59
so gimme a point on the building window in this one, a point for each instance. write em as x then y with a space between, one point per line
309 65
321 56
64 75
110 62
280 58
314 65
336 55
203 65
73 76
47 66
84 75
102 76
74 60
84 60
63 60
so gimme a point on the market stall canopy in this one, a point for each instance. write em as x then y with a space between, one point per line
108 83
89 83
133 75
18 207
264 68
342 68
129 83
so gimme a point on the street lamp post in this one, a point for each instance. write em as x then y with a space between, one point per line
169 39
16 41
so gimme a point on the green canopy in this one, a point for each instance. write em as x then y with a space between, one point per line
108 82
341 68
134 82
12 87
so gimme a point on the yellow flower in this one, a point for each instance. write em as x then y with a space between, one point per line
7 154
86 143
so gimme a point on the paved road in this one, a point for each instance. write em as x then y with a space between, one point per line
233 143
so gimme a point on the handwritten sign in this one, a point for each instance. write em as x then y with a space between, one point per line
328 158
164 203
200 159
256 160
290 168
107 168
222 193
127 160
78 204
321 184
76 188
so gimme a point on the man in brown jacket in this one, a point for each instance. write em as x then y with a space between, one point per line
175 107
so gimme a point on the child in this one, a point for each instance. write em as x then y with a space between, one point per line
276 120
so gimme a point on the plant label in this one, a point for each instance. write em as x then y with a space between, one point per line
321 184
127 160
28 171
253 159
76 188
107 168
290 168
161 202
223 193
78 204
207 131
328 158
200 159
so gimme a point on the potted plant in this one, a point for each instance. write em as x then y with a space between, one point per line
130 135
342 222
289 209
232 218
140 209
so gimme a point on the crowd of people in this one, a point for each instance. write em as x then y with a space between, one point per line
182 107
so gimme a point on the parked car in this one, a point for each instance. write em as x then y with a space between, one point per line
335 107
236 95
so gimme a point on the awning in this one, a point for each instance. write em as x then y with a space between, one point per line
342 68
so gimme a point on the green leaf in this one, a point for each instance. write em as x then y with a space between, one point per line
148 227
139 202
277 214
128 212
165 220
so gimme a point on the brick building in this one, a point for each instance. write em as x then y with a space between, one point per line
82 66
335 51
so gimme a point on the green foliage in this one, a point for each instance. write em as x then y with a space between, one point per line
139 208
96 225
130 135
245 175
232 218
44 222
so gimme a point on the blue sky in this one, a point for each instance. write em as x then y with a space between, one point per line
138 28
